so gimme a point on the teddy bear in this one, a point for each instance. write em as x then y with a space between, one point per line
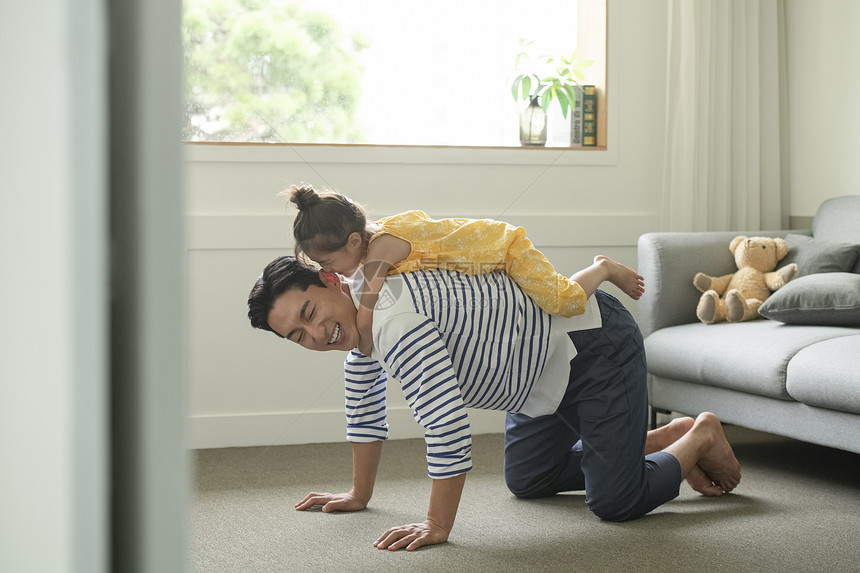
736 297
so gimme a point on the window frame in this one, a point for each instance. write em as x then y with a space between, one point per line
595 41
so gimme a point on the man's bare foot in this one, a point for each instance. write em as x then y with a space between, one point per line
664 436
629 281
718 461
700 482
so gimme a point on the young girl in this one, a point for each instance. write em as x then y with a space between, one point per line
334 232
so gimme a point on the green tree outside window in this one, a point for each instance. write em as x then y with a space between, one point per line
267 71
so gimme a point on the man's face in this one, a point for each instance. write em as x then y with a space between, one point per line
319 318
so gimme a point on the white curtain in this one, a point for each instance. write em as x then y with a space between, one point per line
726 108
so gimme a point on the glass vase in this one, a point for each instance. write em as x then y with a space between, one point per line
533 125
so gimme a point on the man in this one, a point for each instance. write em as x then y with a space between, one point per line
574 390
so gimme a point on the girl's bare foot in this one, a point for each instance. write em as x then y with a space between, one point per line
629 281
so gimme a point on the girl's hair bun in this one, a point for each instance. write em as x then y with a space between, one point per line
304 196
324 220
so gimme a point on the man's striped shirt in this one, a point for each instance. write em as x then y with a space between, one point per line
452 341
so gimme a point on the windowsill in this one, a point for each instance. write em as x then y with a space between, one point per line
381 154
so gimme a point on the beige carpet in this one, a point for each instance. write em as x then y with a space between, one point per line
797 509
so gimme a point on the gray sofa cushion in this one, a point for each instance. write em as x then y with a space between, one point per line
836 220
826 374
749 356
814 255
831 299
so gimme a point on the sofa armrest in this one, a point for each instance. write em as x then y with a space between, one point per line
669 261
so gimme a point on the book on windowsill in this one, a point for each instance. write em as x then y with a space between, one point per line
576 120
589 116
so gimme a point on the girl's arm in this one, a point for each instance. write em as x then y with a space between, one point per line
383 253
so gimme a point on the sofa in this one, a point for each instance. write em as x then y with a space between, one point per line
794 372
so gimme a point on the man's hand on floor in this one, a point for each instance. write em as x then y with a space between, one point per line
412 536
332 502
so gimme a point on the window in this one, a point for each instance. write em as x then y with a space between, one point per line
382 72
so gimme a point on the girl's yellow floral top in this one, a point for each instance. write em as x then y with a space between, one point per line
478 246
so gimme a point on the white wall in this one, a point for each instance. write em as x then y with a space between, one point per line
250 388
823 55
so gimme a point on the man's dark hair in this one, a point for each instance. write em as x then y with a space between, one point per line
279 276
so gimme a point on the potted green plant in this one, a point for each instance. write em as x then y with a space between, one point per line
540 81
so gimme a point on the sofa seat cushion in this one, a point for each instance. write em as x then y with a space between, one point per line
748 356
827 374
